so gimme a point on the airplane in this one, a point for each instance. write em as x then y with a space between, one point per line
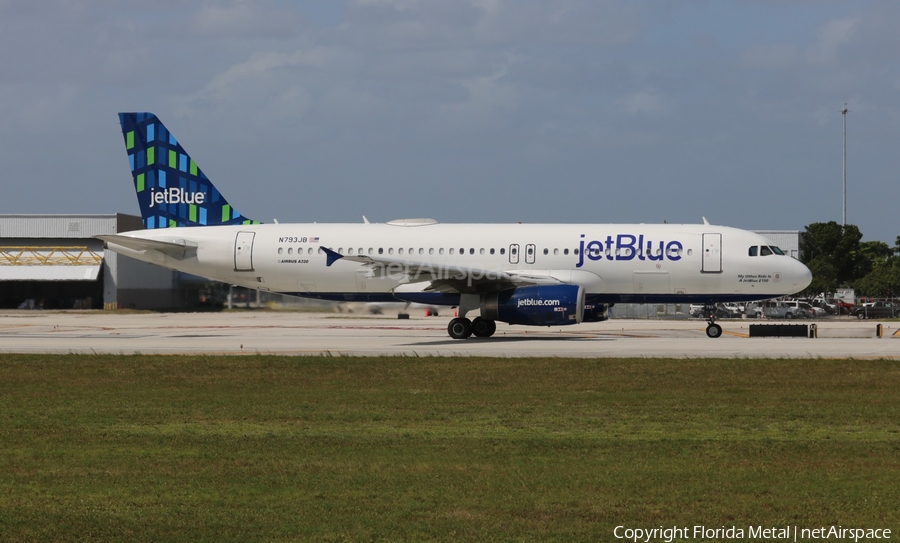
520 274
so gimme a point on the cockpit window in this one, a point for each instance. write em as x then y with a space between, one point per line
765 251
776 250
753 250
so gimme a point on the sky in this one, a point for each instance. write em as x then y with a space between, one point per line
570 111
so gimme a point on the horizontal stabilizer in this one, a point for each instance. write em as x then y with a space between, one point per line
176 249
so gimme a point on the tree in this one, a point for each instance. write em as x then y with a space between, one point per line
883 281
835 251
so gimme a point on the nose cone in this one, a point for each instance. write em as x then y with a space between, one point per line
801 276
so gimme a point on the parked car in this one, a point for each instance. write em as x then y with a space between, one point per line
723 311
811 311
845 307
829 307
777 309
877 310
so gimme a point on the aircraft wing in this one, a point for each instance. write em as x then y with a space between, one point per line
445 277
179 249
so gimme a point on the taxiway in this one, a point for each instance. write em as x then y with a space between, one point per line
291 333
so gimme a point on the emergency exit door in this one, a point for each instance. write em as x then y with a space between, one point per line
514 253
243 251
712 253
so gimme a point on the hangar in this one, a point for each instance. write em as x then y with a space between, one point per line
54 262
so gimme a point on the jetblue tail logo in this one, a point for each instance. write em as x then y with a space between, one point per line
171 189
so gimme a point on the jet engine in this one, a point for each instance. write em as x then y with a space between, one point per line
539 305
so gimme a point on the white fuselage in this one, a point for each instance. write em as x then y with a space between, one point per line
613 262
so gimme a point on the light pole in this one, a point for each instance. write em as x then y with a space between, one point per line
844 113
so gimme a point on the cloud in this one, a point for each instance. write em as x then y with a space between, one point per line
245 19
831 36
641 102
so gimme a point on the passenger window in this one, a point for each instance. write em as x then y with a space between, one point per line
546 252
422 251
765 251
514 251
440 251
462 251
451 250
290 250
492 250
308 251
431 251
481 251
380 251
400 251
341 251
411 250
555 251
350 250
371 251
502 250
530 251
753 250
391 251
280 250
576 252
565 251
472 251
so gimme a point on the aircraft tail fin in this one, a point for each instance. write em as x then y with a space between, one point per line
171 189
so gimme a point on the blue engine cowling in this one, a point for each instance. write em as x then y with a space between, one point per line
540 305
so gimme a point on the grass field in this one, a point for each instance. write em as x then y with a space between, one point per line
410 449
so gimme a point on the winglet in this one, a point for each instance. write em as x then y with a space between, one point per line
331 256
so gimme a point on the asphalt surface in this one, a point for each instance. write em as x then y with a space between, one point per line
292 333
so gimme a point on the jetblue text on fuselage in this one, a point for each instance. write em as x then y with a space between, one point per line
628 247
175 195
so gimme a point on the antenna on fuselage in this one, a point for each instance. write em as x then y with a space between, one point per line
706 222
365 220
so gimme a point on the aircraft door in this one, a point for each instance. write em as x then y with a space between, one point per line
243 251
514 253
529 253
712 253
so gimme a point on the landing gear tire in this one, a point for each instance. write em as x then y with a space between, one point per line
713 330
460 328
483 327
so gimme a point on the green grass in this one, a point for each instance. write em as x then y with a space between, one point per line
447 449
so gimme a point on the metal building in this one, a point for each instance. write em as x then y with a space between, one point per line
54 262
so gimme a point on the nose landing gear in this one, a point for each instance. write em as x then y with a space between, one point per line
713 330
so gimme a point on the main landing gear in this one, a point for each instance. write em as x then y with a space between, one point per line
713 330
462 328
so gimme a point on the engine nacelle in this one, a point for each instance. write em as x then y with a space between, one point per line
539 305
594 312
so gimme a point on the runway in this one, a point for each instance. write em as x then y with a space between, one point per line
290 333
